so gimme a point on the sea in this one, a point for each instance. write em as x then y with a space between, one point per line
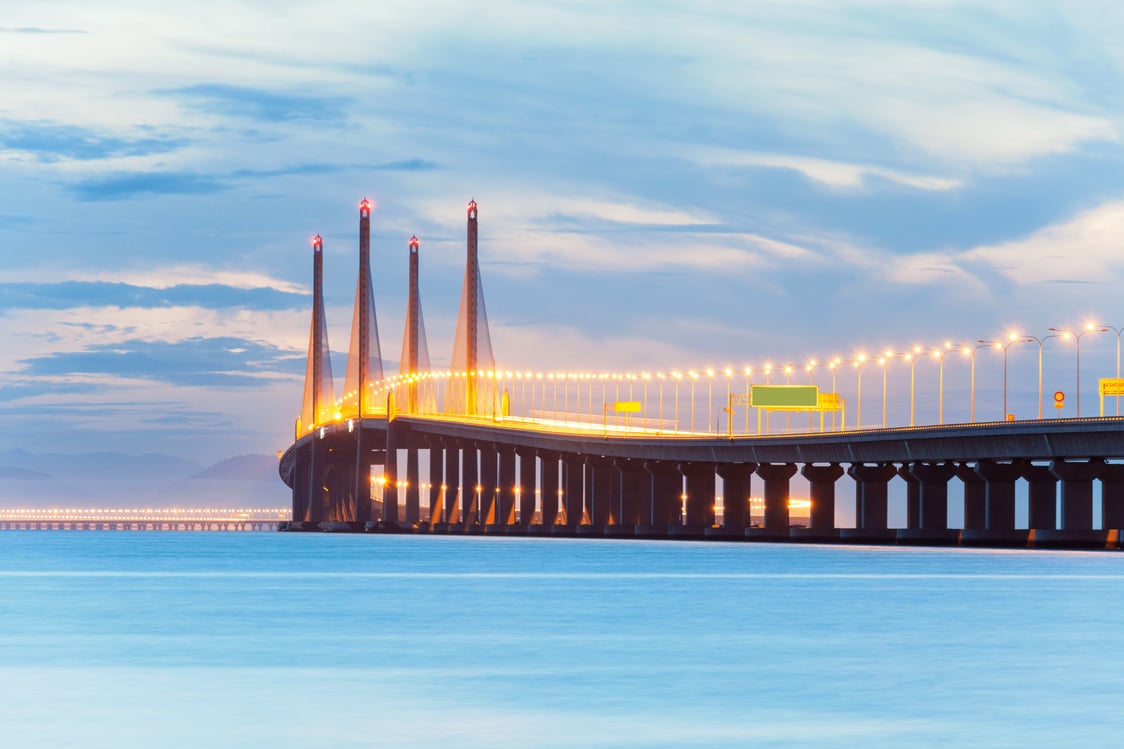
162 639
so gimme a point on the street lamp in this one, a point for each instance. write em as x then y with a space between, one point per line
1012 338
694 378
940 354
748 371
912 357
710 400
833 366
1041 345
659 424
729 410
858 364
1089 328
678 376
969 351
788 414
1117 331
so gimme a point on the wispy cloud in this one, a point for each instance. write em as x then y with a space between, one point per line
260 104
38 30
195 362
52 141
133 184
839 175
70 294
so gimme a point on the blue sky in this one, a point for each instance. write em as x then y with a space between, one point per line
661 185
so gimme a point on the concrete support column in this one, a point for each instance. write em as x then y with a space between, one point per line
635 492
822 483
999 495
549 495
436 482
975 497
1043 504
470 484
1112 496
362 485
1077 492
489 482
776 477
316 480
452 503
527 487
572 478
506 493
700 495
934 478
870 493
912 498
736 482
601 476
301 461
390 476
666 495
413 487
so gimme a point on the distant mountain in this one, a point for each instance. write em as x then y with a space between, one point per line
102 465
242 468
22 474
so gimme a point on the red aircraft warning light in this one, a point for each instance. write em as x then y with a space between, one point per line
472 208
414 242
317 241
365 206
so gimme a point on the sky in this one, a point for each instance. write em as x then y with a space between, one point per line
660 185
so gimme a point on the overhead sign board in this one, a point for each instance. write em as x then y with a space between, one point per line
1112 386
828 402
784 396
626 407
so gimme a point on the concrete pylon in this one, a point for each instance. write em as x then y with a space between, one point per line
364 356
415 351
319 404
472 346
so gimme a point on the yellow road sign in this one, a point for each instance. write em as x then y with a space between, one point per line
626 407
1112 386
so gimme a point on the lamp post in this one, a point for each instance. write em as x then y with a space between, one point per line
1012 338
730 411
882 362
747 371
788 414
660 376
694 378
1089 328
768 376
1117 331
811 367
858 363
710 400
969 351
678 376
940 354
911 357
1041 345
833 366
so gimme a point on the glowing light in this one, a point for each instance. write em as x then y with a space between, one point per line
414 242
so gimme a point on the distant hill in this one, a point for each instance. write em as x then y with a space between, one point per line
22 474
242 468
101 465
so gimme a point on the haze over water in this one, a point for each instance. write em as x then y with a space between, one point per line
314 640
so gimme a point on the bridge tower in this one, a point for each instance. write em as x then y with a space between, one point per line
415 351
318 405
472 348
364 357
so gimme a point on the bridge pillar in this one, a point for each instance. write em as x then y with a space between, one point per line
506 491
470 484
736 482
634 492
776 477
489 484
527 488
822 481
975 496
390 476
601 476
1112 496
700 496
912 498
933 514
452 499
413 487
316 480
301 461
665 505
871 492
1077 492
999 496
1043 499
550 493
572 478
436 482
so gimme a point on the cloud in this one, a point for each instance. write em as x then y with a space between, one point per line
52 141
132 184
70 294
195 362
837 175
38 30
260 104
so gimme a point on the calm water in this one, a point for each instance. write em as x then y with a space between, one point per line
307 640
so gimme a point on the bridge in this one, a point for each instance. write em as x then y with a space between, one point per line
143 518
477 448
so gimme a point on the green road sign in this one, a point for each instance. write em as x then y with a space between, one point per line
784 396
